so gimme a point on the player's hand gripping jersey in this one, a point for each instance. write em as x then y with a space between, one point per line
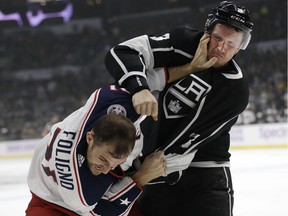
64 177
197 112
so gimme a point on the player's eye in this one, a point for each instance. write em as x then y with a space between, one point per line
217 37
102 159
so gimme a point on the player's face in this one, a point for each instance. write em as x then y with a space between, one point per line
224 44
100 158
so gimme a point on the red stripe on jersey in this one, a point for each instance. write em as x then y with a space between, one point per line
167 75
116 88
115 174
97 92
124 189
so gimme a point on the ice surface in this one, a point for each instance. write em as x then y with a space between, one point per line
260 182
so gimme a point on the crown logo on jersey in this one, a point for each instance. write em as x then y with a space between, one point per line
81 160
174 106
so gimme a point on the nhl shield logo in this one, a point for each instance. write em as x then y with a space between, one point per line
116 109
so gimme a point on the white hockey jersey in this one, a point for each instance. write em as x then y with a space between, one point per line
59 173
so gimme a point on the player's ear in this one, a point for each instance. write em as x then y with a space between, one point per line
89 137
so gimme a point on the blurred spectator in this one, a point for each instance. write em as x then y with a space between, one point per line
48 71
48 125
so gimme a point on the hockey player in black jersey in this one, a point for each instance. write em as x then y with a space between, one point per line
195 113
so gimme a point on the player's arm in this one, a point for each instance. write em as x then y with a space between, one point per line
145 103
120 197
199 62
129 62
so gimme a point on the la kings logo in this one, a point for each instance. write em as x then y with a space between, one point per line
184 96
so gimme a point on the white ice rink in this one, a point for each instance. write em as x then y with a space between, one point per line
260 183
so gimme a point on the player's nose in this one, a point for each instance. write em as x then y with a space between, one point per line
221 45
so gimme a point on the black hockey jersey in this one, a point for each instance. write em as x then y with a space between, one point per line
197 112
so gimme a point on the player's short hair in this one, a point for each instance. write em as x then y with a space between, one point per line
117 130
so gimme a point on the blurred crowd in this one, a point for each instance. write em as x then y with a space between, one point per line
46 74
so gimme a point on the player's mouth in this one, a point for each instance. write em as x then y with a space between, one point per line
98 168
218 55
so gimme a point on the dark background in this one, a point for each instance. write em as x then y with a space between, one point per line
49 70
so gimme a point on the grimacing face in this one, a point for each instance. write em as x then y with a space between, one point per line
100 158
223 44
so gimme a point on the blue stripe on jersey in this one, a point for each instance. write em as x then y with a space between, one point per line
108 96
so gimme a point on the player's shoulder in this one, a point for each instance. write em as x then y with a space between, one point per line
186 38
232 71
235 82
187 31
114 90
117 99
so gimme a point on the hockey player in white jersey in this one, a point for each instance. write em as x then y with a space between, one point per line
79 167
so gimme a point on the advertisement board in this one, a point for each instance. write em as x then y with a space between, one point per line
242 137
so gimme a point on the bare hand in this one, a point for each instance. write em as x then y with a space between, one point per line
145 103
155 164
153 167
200 60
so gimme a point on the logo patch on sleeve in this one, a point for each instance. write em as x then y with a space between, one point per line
116 109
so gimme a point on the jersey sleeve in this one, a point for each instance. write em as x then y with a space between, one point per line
118 200
129 61
59 171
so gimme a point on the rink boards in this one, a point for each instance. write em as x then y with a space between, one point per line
242 137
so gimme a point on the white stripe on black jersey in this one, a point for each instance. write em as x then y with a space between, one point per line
197 112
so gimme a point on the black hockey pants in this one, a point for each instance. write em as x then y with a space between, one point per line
199 192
